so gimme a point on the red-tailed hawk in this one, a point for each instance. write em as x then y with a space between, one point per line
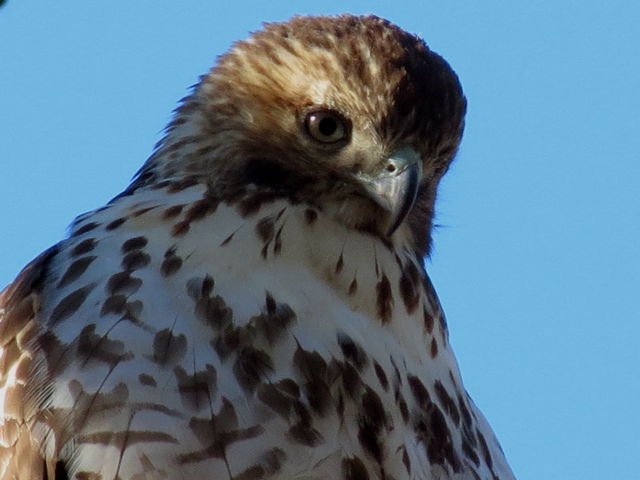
254 305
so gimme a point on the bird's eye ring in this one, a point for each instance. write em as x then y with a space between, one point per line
326 126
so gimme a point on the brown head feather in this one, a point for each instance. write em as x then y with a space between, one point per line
246 115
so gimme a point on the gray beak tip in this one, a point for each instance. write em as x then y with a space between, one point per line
407 183
396 188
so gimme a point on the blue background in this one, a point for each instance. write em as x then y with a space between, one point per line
537 261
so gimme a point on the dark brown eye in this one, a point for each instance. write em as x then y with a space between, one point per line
326 126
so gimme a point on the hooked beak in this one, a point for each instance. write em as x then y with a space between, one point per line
396 187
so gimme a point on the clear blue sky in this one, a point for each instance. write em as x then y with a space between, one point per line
537 262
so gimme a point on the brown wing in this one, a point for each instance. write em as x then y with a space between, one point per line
20 457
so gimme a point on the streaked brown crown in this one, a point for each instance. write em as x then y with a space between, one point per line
389 86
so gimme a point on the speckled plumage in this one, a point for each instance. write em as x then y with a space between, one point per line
254 305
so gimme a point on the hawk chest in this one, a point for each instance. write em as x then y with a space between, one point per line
181 336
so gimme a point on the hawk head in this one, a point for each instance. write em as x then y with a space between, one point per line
348 113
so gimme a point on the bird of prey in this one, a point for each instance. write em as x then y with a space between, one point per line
254 305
